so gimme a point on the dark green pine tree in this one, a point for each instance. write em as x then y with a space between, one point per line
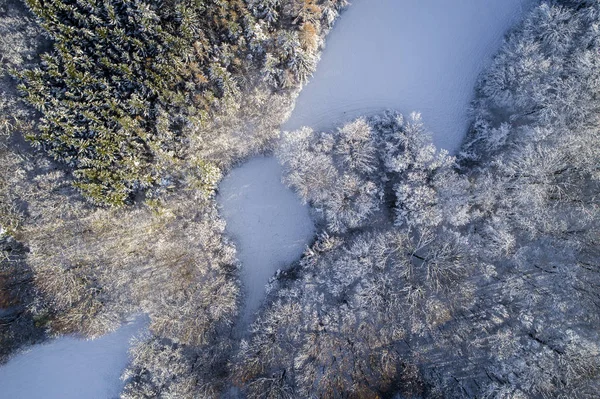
116 68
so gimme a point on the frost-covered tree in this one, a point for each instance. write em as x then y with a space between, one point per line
161 368
484 282
181 271
354 320
426 186
350 318
533 158
88 269
20 325
338 173
345 175
128 83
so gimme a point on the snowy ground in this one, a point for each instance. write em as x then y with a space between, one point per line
409 55
270 226
70 368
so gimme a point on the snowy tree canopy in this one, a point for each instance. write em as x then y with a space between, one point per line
346 175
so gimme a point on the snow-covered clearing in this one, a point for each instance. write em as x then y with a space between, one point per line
408 55
270 226
70 368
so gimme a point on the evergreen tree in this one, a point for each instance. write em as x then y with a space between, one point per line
124 80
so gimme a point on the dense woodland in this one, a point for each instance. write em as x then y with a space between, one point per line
475 275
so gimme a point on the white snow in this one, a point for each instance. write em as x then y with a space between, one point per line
68 367
270 226
408 55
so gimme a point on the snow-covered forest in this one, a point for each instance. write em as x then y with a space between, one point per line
428 273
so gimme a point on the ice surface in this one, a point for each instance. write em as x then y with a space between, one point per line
68 367
409 55
270 226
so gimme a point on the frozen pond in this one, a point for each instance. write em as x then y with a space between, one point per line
70 368
408 55
270 226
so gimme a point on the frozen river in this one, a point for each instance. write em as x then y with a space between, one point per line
408 55
70 368
270 226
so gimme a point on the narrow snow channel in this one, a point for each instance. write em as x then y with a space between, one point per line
408 55
270 226
68 367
